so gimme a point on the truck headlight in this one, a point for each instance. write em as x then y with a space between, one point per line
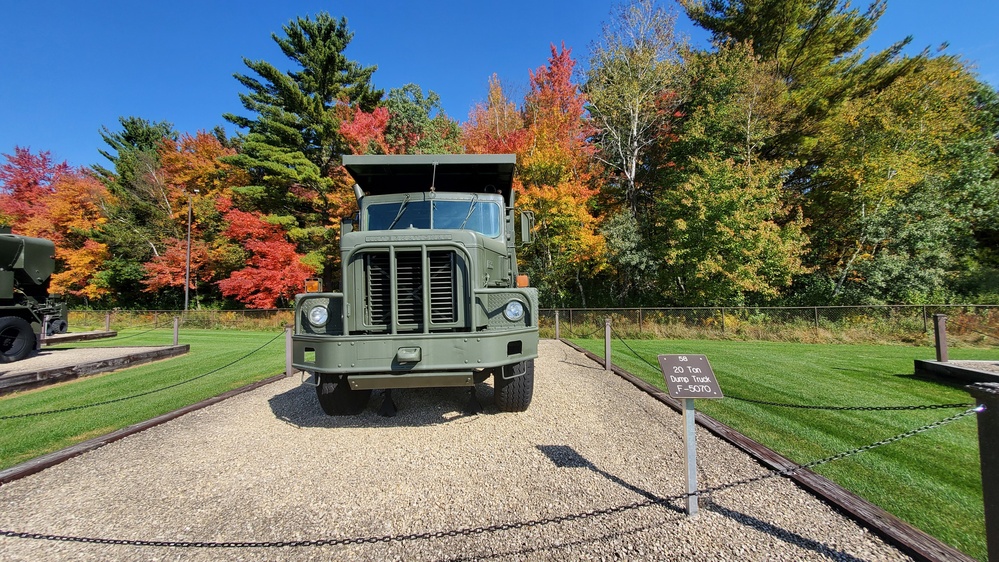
514 311
318 315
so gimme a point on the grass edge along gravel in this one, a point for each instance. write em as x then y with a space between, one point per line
932 480
44 420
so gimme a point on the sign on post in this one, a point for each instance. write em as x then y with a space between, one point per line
689 377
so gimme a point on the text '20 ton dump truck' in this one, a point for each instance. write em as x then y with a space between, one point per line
26 266
431 296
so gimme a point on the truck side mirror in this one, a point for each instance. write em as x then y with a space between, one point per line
526 226
346 226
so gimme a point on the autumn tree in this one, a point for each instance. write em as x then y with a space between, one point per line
25 179
195 172
273 272
898 197
295 133
726 234
46 200
495 126
633 84
556 172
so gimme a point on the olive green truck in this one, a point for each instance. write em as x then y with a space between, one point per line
26 308
431 295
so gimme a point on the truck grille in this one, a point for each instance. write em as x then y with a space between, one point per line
441 293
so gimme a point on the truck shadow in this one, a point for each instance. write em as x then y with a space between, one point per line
416 407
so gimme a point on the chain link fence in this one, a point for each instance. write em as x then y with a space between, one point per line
264 320
969 324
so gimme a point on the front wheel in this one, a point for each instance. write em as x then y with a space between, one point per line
17 341
338 399
514 386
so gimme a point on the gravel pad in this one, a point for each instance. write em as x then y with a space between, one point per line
269 466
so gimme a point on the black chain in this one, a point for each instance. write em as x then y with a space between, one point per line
470 531
810 407
139 395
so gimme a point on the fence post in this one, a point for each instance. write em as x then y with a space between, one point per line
558 335
639 320
107 322
723 319
176 330
288 369
607 344
987 394
925 325
816 319
940 336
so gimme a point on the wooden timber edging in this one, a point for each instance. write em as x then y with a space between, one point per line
77 336
25 381
907 538
45 461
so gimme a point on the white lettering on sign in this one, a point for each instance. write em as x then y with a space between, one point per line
689 376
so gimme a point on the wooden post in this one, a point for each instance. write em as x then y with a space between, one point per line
288 369
176 330
940 336
107 322
607 344
558 335
987 395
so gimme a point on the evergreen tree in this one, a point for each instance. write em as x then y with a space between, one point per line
294 137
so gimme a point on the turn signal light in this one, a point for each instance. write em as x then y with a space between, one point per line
522 281
313 285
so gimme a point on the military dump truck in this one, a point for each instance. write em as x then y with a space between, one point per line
431 296
26 308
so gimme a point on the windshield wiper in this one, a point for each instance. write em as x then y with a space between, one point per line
398 215
471 207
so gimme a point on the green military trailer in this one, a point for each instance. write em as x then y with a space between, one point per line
431 295
26 308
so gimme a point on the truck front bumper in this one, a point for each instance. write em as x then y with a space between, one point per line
410 360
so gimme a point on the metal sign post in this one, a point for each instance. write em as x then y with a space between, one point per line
689 377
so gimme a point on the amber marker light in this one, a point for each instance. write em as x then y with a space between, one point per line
523 281
313 285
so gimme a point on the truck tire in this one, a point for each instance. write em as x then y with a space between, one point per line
338 399
17 341
514 394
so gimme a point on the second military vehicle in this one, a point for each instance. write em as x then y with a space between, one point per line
26 308
431 293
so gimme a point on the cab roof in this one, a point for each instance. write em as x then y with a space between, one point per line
471 173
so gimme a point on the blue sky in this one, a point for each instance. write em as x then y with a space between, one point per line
68 67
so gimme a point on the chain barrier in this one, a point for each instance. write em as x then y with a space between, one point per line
153 329
472 531
809 406
141 394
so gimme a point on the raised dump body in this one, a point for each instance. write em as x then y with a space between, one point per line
431 294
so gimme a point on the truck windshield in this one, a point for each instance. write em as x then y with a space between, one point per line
471 214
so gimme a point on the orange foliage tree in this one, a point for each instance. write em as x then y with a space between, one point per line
557 172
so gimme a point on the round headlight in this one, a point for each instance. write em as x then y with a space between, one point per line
514 311
318 315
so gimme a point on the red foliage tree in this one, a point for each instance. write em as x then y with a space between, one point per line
274 272
24 181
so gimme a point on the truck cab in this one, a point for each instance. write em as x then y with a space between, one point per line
431 295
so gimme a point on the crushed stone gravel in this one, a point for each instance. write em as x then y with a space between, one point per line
268 465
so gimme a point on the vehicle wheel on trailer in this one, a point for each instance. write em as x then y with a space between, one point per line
514 394
338 399
17 341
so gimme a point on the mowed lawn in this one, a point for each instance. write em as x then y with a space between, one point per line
932 480
218 361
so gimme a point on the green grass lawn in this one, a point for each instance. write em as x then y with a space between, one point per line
932 480
24 438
